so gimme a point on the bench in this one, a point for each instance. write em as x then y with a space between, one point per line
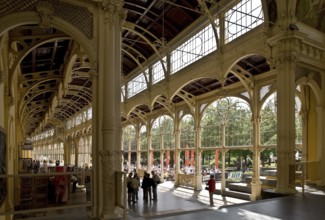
235 176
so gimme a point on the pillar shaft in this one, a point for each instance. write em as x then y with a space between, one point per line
286 124
108 106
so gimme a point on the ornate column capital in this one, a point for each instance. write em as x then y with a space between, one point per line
277 61
111 7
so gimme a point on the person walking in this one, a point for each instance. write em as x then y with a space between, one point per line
129 187
146 186
212 188
135 186
156 181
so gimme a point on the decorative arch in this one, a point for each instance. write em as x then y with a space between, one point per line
26 51
244 75
308 80
23 18
68 77
163 101
30 89
185 94
138 111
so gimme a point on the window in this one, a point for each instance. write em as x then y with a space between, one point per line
143 138
187 135
78 119
243 17
129 140
89 113
137 85
201 44
268 126
158 71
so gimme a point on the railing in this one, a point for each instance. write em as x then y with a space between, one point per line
39 193
309 172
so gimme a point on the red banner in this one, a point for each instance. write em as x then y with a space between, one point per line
187 155
192 157
167 158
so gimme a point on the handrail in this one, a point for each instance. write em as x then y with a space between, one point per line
304 166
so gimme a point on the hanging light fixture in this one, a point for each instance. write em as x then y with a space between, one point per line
161 42
163 39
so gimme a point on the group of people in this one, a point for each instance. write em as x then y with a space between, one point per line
148 184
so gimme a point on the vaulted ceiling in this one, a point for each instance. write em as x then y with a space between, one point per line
46 52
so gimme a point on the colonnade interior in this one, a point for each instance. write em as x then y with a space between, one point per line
98 88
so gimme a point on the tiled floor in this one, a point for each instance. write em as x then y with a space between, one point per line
184 204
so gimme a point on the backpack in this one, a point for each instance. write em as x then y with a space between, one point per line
135 184
156 179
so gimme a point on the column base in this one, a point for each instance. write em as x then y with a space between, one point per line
176 182
256 191
198 182
110 214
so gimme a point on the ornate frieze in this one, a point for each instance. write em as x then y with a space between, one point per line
282 58
294 48
79 16
46 12
108 171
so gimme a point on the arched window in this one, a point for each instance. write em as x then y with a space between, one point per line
168 133
162 129
268 126
73 153
129 139
143 138
298 120
211 127
81 152
187 130
239 127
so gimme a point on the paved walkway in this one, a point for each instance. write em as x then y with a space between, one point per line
177 201
186 204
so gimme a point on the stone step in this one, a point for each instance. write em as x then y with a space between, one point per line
240 187
235 194
265 180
